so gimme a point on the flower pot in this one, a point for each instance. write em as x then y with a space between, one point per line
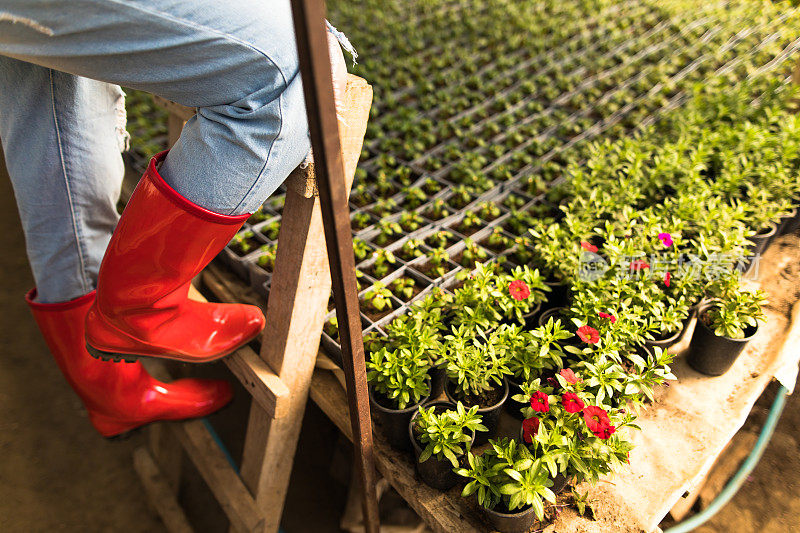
438 375
558 295
788 222
437 473
490 415
792 224
512 522
394 421
711 354
671 340
761 239
514 387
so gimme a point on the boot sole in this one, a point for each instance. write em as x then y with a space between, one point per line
132 358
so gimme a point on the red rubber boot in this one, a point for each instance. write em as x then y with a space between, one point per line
161 242
119 397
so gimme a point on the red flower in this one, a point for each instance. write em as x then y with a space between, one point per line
519 290
589 247
639 265
609 316
605 432
667 277
588 334
539 402
569 375
530 427
572 404
597 421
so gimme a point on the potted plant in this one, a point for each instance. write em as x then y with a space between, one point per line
441 434
399 384
410 250
511 485
377 301
410 221
476 368
361 250
725 324
437 264
388 232
437 210
414 197
360 220
383 262
471 254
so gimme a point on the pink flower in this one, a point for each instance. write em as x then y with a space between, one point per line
539 402
519 290
569 376
666 239
609 316
588 334
639 264
667 277
530 427
589 247
572 404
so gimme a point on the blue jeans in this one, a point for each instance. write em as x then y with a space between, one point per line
62 122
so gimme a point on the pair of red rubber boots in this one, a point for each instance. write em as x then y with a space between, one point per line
141 309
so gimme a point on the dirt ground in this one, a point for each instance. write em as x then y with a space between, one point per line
56 474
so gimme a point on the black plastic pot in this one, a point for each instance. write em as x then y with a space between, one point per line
436 473
673 339
514 522
711 354
394 422
791 225
438 375
558 295
514 408
787 223
490 416
761 240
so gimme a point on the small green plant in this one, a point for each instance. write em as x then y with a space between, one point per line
438 210
509 476
384 207
388 232
476 363
488 211
438 260
733 310
400 376
440 239
258 216
384 262
498 241
271 230
361 220
243 243
378 297
267 258
410 221
472 253
361 249
411 249
403 288
470 223
415 197
446 435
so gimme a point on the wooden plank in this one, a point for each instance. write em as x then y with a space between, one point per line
296 307
167 452
254 373
159 492
224 482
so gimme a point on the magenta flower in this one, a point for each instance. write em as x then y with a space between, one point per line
666 239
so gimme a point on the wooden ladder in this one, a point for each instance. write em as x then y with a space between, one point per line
279 377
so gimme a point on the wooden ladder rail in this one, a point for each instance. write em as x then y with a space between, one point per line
279 377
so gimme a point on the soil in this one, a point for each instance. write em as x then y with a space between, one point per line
373 315
485 399
428 270
430 215
467 231
415 289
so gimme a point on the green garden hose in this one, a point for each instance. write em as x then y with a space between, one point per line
738 479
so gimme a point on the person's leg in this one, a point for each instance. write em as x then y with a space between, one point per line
62 136
67 196
235 60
